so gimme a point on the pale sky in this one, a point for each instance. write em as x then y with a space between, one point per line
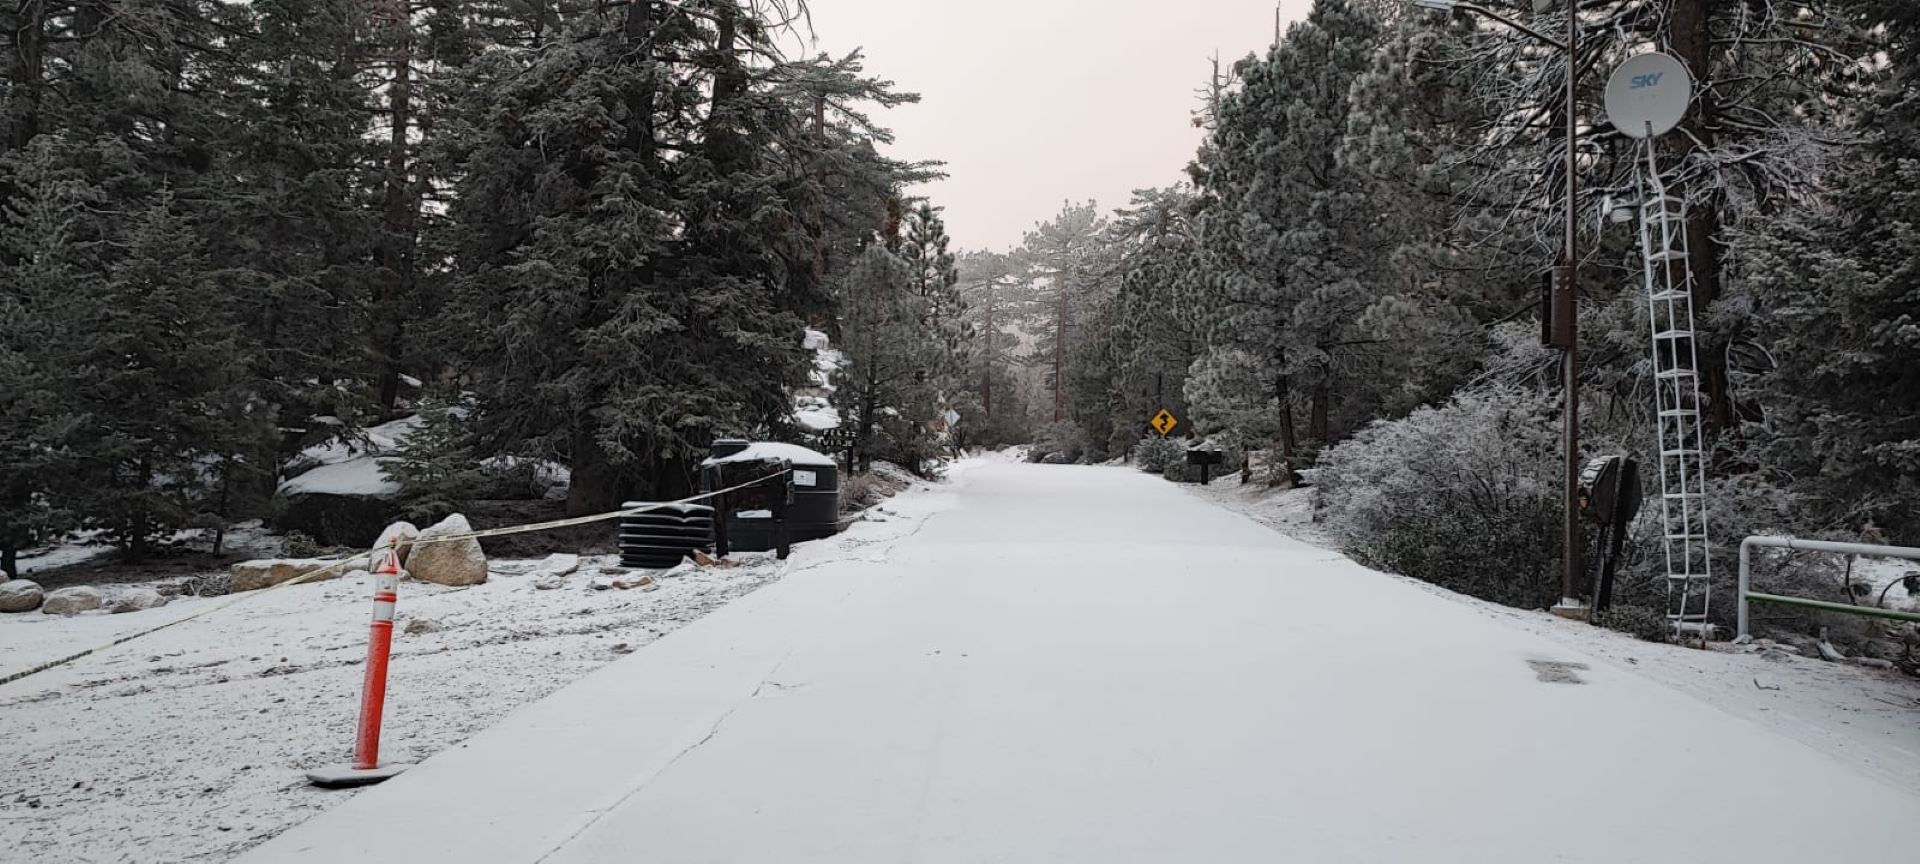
1035 102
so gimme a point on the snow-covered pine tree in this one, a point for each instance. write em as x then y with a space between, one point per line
1056 256
886 352
1295 244
1834 287
942 321
637 255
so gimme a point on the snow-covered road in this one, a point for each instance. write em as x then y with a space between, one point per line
1085 664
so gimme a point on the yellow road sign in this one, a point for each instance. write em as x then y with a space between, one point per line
1164 422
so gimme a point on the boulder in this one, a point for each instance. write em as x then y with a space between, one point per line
401 532
455 562
20 595
138 599
72 601
268 572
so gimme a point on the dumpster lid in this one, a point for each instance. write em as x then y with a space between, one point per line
773 451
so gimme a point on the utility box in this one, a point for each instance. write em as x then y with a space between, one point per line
1206 460
1609 496
776 509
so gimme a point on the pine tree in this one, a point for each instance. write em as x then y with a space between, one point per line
1056 257
1836 290
883 340
162 373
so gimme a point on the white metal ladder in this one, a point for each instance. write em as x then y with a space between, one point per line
1681 442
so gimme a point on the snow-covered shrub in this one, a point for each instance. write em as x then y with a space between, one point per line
1062 442
1465 495
1153 453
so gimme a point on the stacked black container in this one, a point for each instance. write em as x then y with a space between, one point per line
662 537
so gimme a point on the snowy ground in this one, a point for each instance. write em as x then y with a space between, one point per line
1088 664
1864 717
190 745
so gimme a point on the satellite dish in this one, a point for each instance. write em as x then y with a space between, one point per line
1648 95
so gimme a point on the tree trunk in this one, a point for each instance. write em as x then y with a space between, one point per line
25 75
1317 422
401 209
986 378
1690 39
639 32
1060 356
10 562
595 487
1283 394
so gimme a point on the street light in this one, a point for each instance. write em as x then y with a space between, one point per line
1568 272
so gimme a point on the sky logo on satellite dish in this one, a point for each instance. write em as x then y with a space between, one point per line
1642 82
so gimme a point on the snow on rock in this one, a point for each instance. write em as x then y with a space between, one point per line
138 600
773 451
452 562
400 534
813 405
72 601
268 572
557 564
20 595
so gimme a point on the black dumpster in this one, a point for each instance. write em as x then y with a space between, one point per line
807 499
664 536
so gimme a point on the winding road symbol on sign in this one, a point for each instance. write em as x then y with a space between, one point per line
1164 422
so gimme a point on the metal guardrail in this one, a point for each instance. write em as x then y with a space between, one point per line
1907 552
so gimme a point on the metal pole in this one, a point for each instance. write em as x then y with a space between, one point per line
1746 562
1570 361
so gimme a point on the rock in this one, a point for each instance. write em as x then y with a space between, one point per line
548 583
138 599
419 626
72 601
645 582
268 572
513 568
558 564
1884 649
402 533
455 562
602 583
20 595
1830 653
1806 646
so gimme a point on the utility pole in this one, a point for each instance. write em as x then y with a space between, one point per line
1565 318
1570 577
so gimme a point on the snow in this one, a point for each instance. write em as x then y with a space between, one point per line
813 407
360 475
78 549
818 416
352 467
1863 717
190 744
773 451
1087 664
